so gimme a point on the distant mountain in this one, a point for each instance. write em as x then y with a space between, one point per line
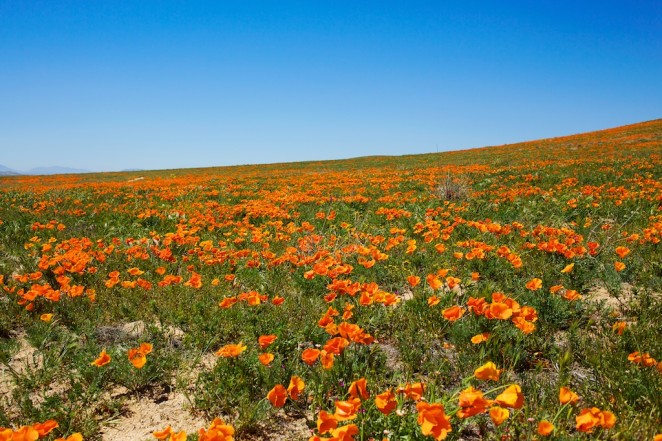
6 171
55 170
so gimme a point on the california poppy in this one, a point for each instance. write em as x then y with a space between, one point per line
231 350
266 358
103 359
488 371
499 415
545 428
266 340
277 395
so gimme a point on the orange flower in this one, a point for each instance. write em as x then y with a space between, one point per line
433 300
359 388
499 415
499 311
622 251
434 282
568 268
73 437
103 359
386 402
480 338
231 350
46 317
511 397
326 422
534 284
265 340
453 313
277 300
336 345
310 355
296 387
218 431
589 419
545 428
413 280
137 358
25 433
567 396
45 428
488 371
179 436
413 391
277 395
163 434
266 358
619 266
227 302
571 294
346 410
471 402
433 420
326 358
135 271
555 288
345 433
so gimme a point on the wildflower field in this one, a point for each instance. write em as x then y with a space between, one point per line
502 293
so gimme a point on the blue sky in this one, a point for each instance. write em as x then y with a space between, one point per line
167 84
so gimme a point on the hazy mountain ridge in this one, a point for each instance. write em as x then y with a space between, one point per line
52 170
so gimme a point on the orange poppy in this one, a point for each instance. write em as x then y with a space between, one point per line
413 281
567 396
359 388
545 428
45 428
346 410
310 355
277 395
46 317
499 415
231 350
433 420
336 345
326 358
162 434
326 422
296 387
266 358
385 402
511 397
480 338
534 284
453 313
622 251
488 371
73 437
103 359
265 340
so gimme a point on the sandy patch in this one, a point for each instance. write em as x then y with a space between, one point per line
144 415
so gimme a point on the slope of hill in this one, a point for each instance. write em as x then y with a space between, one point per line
6 171
519 286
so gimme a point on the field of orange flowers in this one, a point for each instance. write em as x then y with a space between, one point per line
503 293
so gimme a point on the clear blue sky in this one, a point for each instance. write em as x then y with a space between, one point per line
108 85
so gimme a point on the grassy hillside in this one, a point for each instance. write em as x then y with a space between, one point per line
480 294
